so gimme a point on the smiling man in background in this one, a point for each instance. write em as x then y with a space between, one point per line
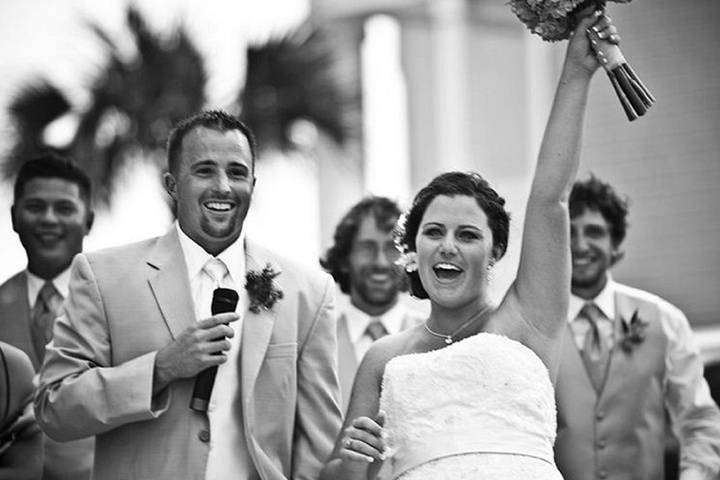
362 263
51 214
629 357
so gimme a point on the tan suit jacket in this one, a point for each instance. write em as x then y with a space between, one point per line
126 303
15 316
62 461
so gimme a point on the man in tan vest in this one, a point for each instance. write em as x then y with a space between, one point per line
51 214
361 261
628 358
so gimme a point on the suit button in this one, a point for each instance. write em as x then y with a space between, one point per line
204 436
603 473
599 415
601 444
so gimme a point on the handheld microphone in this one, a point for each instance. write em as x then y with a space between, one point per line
224 300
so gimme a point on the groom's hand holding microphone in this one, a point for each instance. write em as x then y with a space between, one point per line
197 348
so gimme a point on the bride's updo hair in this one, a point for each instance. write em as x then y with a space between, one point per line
452 184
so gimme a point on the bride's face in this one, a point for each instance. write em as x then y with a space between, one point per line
454 247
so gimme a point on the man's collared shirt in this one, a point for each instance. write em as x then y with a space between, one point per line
35 283
358 321
229 457
580 326
686 394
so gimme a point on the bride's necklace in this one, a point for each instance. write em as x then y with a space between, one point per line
450 338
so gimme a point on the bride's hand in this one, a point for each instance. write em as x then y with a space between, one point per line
363 440
592 26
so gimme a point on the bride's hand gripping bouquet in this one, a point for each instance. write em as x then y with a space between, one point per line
555 20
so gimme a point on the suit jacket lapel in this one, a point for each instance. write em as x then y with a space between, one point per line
257 327
168 280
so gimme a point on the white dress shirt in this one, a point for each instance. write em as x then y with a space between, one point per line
35 283
605 301
358 321
686 393
229 458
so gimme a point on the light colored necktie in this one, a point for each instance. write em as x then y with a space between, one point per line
48 305
376 330
596 352
213 273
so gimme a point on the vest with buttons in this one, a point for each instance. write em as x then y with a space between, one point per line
618 433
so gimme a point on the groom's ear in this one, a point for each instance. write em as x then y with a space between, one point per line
170 185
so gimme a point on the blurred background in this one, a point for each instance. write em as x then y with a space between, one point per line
350 98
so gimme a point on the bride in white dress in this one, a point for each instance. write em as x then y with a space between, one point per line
469 394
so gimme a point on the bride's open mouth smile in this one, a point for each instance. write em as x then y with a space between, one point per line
446 272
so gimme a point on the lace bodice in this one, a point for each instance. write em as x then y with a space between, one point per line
485 395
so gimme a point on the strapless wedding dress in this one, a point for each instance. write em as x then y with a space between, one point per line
482 408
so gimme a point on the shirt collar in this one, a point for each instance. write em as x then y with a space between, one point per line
35 283
358 321
605 301
196 257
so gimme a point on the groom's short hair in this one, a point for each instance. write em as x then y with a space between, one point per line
213 119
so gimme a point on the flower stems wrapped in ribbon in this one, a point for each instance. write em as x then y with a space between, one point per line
634 97
555 20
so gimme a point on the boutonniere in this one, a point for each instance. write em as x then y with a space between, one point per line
633 332
261 289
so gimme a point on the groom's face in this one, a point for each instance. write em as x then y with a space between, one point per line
212 186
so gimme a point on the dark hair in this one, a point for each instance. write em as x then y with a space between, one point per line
385 211
594 194
214 119
52 165
452 184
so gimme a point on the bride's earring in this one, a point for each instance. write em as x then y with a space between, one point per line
489 271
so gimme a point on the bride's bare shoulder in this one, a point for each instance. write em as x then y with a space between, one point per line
391 346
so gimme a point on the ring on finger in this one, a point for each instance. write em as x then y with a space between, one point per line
348 443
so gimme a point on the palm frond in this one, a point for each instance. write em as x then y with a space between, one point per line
136 102
296 77
31 110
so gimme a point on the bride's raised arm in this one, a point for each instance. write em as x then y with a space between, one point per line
543 283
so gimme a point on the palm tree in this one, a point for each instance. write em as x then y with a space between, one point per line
134 103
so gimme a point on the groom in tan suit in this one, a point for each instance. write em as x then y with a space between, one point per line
137 330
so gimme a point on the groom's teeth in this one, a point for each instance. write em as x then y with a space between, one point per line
221 206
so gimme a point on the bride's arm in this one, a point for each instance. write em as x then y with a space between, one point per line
361 459
542 286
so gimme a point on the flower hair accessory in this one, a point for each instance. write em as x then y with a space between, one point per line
408 261
261 289
408 258
633 332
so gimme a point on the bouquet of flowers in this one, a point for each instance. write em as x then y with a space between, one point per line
554 20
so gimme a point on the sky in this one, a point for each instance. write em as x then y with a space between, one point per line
50 38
